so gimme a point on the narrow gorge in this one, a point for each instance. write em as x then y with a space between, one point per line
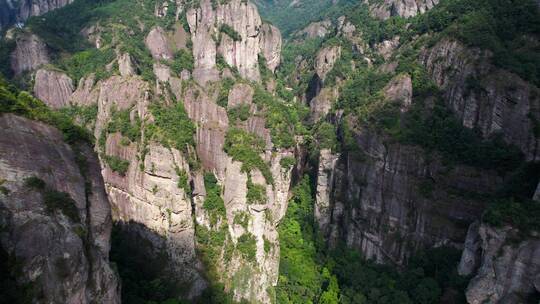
237 151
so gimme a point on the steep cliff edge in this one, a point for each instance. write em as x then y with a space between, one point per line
505 265
19 11
55 216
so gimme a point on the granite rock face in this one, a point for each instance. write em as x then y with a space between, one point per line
503 271
66 258
53 87
19 11
30 53
403 8
485 97
251 39
315 30
157 43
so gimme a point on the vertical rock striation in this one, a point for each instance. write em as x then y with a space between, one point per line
64 255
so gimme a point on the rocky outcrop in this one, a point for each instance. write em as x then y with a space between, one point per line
156 42
250 39
18 11
321 104
240 94
485 97
315 30
403 8
53 87
61 247
270 45
125 65
325 60
388 199
399 89
29 54
505 265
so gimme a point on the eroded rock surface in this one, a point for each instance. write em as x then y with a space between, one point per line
485 97
53 87
403 8
505 266
66 258
30 53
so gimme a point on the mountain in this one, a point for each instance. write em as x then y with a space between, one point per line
270 152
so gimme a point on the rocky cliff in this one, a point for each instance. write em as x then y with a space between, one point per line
505 266
402 8
234 31
19 11
485 97
55 216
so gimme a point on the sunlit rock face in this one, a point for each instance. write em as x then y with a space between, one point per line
403 8
65 256
503 271
209 25
30 53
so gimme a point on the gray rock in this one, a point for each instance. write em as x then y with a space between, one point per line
30 53
403 8
157 43
67 261
53 87
507 272
474 90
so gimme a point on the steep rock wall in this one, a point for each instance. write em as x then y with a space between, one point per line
388 200
504 265
251 38
66 260
19 10
485 97
403 8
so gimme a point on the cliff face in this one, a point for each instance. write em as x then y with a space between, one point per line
60 244
403 8
18 11
29 54
211 29
389 200
504 265
485 97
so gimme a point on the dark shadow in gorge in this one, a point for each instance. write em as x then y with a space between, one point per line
143 267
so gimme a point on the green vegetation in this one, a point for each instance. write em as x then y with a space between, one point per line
223 98
247 245
86 115
213 202
54 200
240 112
229 31
242 219
183 180
309 273
245 147
183 60
524 215
287 162
121 122
256 194
22 103
116 164
89 61
172 126
283 119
